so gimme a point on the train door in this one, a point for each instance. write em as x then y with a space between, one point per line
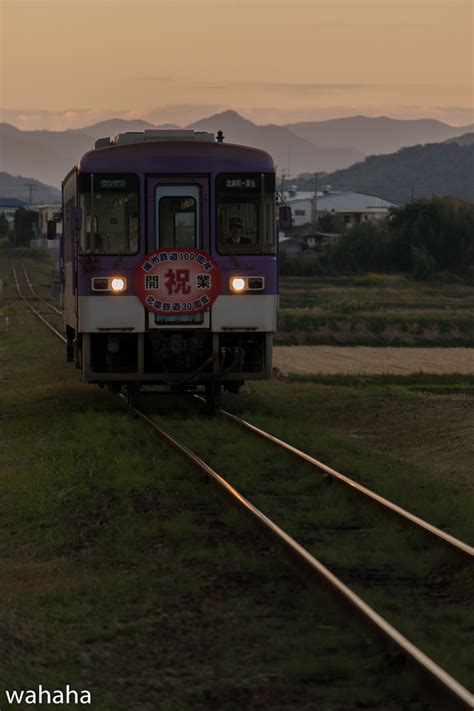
178 216
69 265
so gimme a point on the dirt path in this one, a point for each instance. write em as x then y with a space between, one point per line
333 360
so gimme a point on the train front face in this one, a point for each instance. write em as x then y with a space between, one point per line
177 270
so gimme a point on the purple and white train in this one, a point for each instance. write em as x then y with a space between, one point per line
169 262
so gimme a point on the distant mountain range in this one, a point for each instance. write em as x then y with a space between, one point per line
466 139
291 153
296 148
376 135
305 147
18 187
419 171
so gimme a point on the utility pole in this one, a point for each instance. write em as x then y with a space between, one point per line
31 187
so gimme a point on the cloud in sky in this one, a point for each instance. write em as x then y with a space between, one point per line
179 60
49 119
158 78
310 87
461 114
287 87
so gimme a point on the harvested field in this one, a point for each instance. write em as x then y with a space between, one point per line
375 311
336 360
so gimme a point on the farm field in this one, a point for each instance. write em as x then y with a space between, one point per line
362 360
378 310
122 572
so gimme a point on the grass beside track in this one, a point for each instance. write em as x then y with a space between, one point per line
415 451
122 572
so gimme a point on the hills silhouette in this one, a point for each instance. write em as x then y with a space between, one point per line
415 172
329 146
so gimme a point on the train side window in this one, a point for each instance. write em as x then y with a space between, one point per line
69 201
68 230
237 224
112 199
245 213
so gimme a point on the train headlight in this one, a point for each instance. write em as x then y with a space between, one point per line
248 283
115 284
118 284
237 284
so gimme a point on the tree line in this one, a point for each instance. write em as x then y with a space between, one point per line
421 238
414 172
24 229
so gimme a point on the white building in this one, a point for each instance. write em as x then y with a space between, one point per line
352 207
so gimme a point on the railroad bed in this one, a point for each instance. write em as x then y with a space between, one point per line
306 560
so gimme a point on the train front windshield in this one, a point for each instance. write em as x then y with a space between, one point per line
245 213
110 214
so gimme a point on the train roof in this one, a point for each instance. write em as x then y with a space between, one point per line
173 151
157 134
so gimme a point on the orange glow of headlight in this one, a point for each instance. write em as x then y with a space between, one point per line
118 284
237 284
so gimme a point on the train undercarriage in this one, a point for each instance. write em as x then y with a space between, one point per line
181 361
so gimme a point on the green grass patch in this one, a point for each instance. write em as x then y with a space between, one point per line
390 384
124 573
348 534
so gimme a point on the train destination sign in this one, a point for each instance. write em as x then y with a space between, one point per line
238 183
178 280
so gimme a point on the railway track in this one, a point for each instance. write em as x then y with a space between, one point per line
37 296
308 564
451 541
32 308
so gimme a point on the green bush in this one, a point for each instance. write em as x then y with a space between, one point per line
422 263
307 265
441 228
421 238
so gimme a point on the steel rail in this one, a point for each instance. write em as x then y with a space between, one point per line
315 568
293 549
37 296
448 539
451 541
35 311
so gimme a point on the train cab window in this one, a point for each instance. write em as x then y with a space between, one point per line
177 221
178 225
245 220
177 216
113 202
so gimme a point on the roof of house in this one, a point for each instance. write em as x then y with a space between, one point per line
349 200
49 206
352 200
11 202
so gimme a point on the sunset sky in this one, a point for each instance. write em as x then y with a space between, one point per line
68 64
